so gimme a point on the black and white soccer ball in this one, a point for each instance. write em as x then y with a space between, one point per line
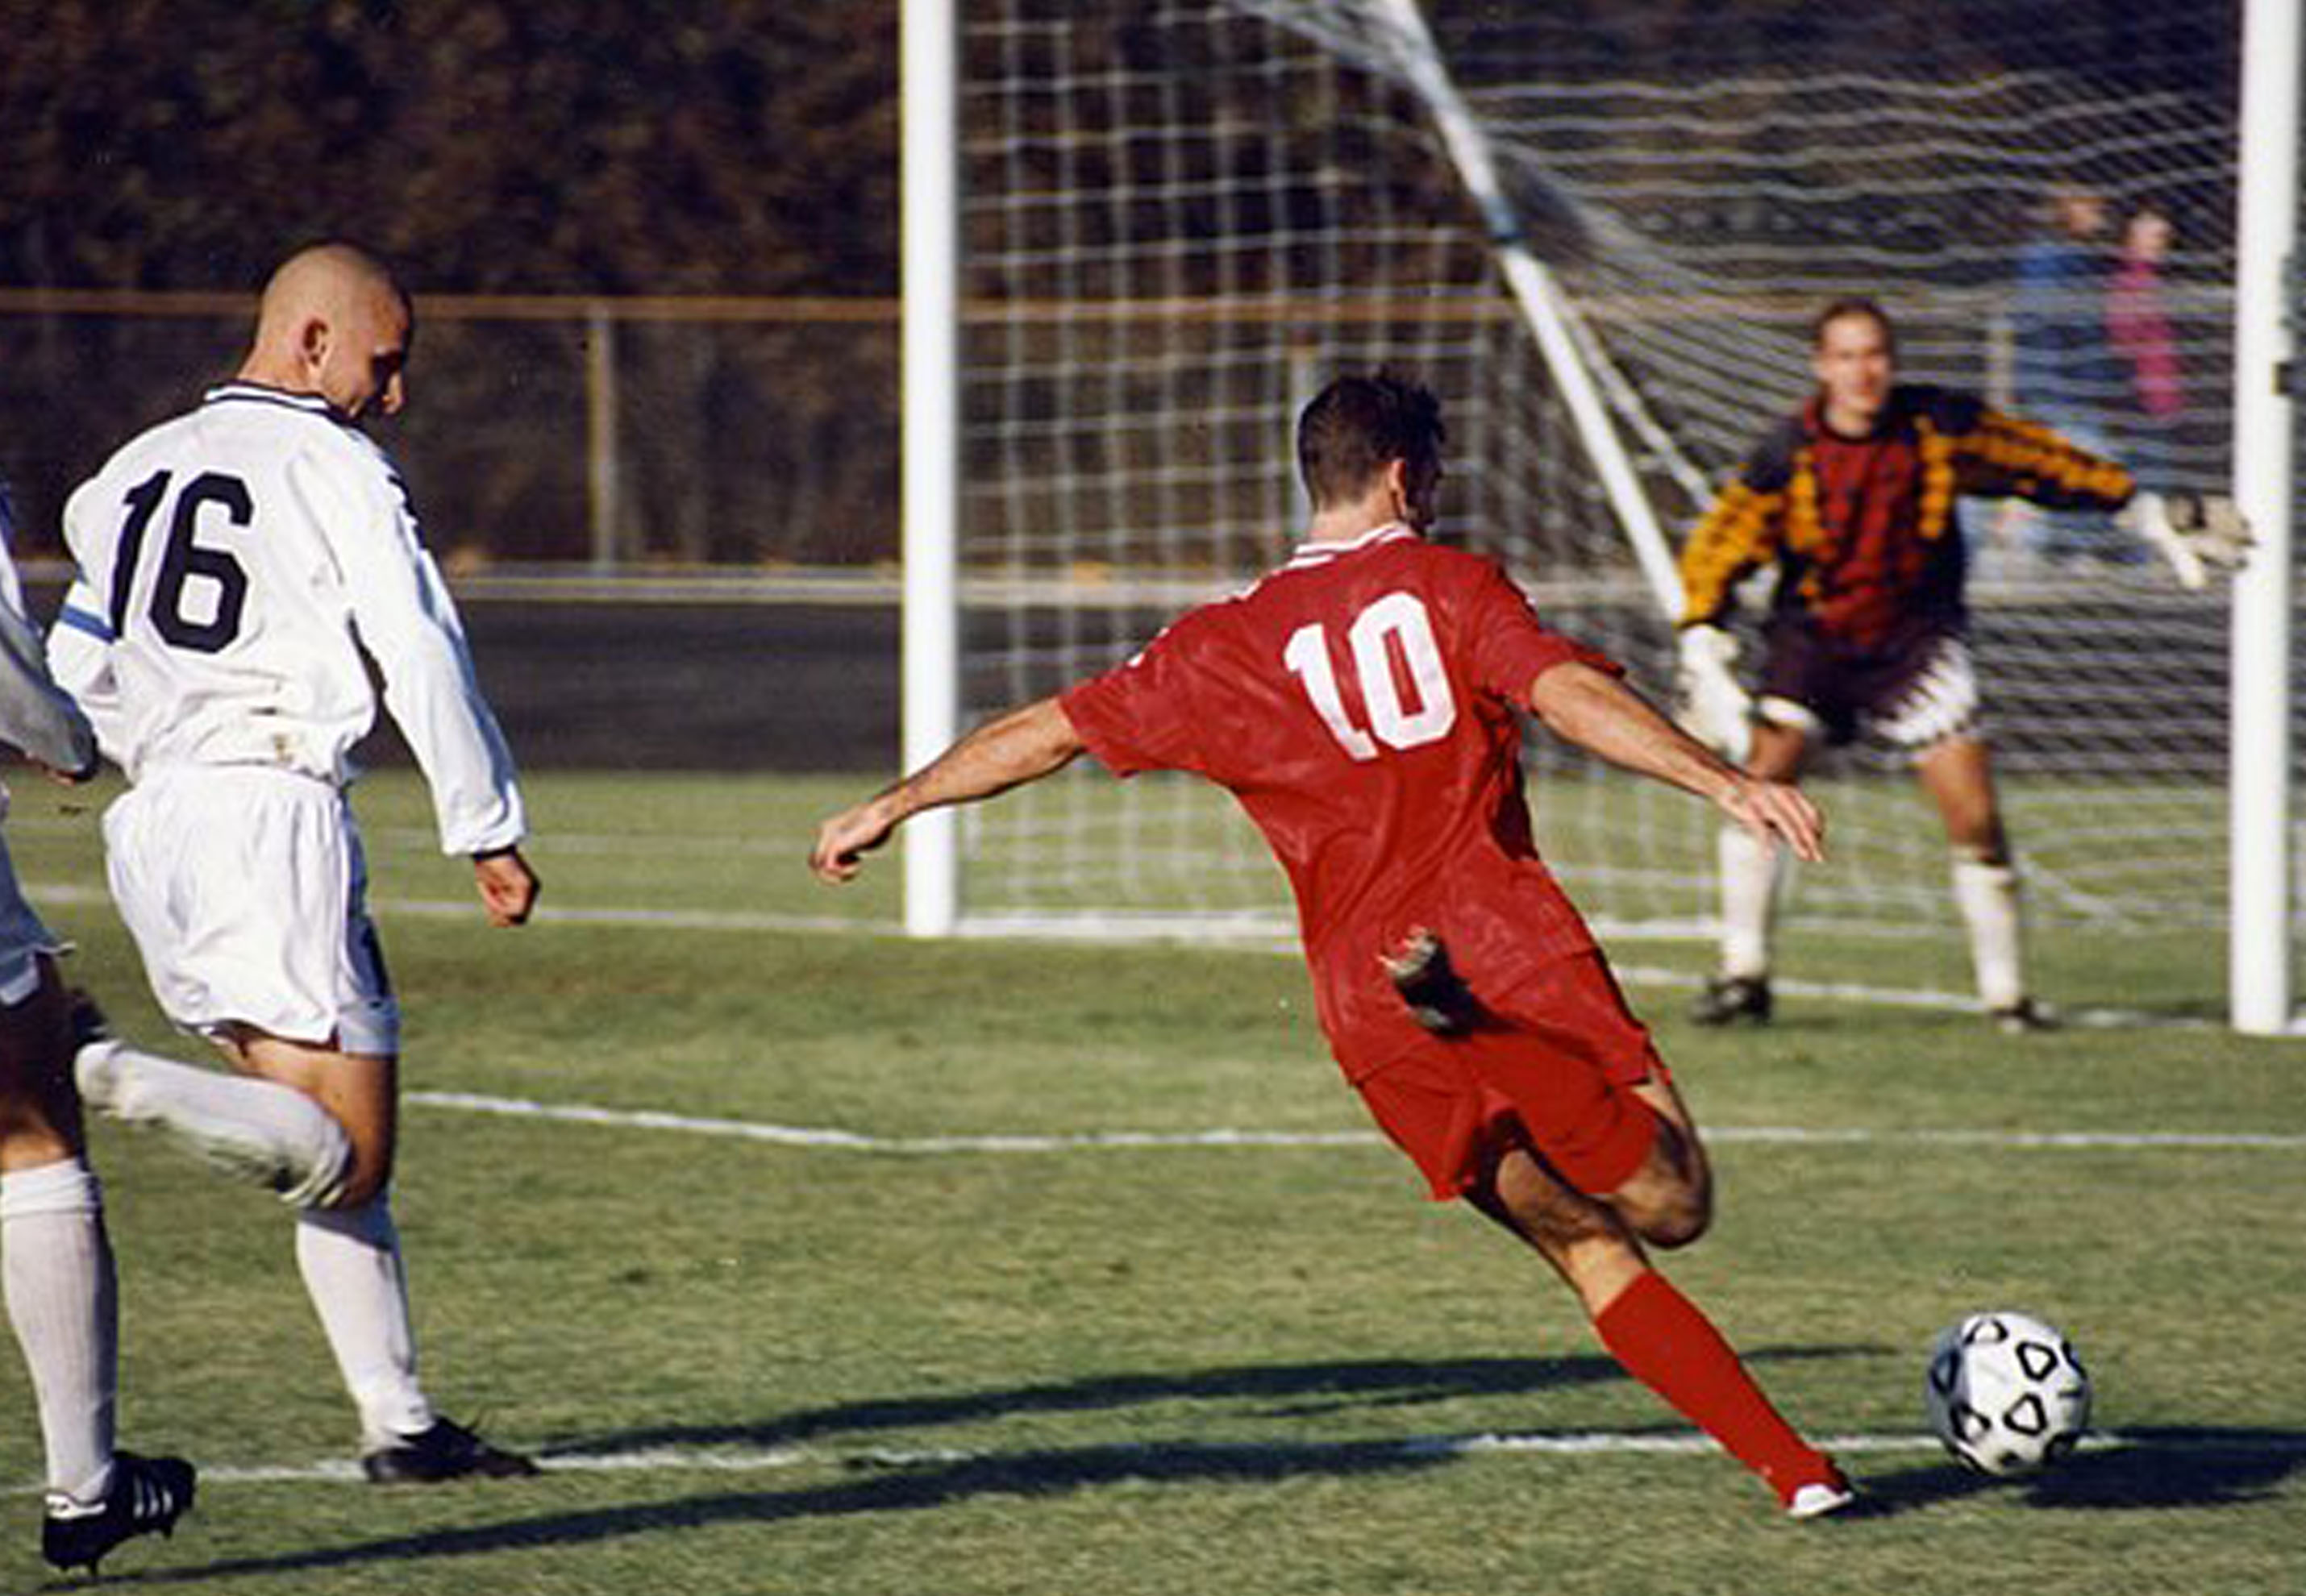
2006 1393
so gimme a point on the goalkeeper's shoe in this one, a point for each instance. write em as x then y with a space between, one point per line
1436 994
1727 999
446 1451
148 1496
2026 1017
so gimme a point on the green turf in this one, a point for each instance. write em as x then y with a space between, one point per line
1163 1369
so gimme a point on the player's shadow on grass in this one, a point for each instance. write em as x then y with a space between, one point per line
2176 1467
888 1488
885 1484
2142 1468
1269 1391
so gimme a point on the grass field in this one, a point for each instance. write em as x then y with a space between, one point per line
984 1345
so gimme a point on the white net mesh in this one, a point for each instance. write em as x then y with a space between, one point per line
1180 217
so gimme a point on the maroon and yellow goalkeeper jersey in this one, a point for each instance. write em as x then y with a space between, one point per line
1866 529
1359 703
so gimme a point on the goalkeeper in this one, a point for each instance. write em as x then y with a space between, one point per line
1854 500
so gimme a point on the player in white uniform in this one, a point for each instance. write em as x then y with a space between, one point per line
235 564
55 1258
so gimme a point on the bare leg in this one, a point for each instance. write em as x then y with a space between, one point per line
360 1092
1958 774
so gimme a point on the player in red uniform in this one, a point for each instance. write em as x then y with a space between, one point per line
1361 703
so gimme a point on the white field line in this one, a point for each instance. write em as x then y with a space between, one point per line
735 1460
1926 999
73 896
857 1141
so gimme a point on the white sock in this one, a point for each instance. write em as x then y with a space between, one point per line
1988 897
258 1128
350 1260
1749 902
56 1263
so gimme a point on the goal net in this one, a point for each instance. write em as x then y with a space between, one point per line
1179 218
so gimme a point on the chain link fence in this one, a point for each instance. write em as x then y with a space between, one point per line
610 435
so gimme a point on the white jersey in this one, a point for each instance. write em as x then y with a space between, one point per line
234 565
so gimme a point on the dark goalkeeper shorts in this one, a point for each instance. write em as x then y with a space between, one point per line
1552 1073
1912 691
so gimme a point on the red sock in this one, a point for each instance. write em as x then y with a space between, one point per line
1664 1341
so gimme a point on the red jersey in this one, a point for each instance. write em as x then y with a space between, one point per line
1360 703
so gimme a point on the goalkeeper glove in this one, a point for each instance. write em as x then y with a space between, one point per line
2192 530
1713 706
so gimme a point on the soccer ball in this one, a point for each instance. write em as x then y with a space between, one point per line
2006 1393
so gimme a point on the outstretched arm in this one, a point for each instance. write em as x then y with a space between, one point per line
1602 714
1019 747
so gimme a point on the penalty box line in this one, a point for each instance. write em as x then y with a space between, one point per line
833 1138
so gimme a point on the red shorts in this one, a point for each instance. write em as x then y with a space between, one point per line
1552 1073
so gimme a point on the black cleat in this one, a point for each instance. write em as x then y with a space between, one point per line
1436 995
2023 1018
1727 999
148 1496
88 1022
447 1451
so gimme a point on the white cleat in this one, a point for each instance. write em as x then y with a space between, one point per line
94 1072
1820 1498
95 1050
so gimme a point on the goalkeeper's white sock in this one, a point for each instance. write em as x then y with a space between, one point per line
350 1260
1988 896
56 1263
1750 869
271 1132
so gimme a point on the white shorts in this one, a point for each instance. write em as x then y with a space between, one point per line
246 890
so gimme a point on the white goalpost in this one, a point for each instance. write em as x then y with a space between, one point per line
1137 237
2261 857
930 248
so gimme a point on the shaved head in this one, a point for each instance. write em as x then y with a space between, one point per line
335 322
327 276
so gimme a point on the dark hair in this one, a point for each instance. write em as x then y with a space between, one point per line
1356 426
1854 305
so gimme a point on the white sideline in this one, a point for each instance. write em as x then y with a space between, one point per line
733 1460
858 1141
